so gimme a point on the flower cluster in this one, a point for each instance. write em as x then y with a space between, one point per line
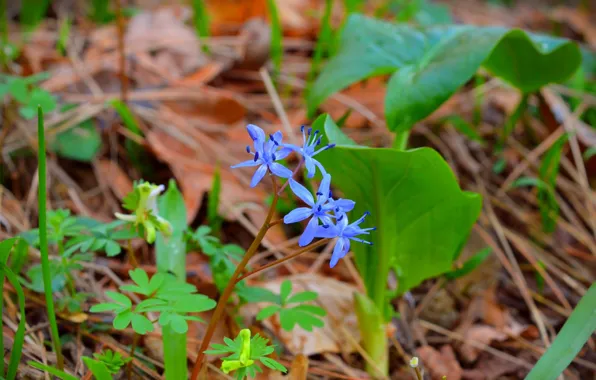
328 216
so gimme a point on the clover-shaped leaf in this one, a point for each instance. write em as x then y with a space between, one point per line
121 303
304 315
143 285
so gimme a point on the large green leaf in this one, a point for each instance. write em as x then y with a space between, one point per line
80 143
422 216
429 65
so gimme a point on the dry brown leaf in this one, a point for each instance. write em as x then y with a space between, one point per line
369 94
481 334
210 109
165 29
335 296
579 20
116 178
440 363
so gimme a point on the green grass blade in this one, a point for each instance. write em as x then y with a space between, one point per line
19 336
171 257
572 337
134 150
323 46
276 47
43 238
213 218
52 371
201 21
5 248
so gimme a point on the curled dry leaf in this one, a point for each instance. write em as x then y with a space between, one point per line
334 296
440 363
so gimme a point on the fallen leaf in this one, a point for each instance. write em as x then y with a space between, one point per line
480 334
440 363
116 178
334 296
580 21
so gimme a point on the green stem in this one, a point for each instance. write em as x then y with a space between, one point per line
43 239
223 300
170 256
401 140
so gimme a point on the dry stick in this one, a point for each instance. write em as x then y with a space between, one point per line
284 259
513 267
121 52
569 123
279 108
283 187
221 304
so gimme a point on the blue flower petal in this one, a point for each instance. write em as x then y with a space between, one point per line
327 232
309 232
298 215
310 166
280 170
341 248
246 164
258 176
324 189
345 204
256 133
283 153
302 193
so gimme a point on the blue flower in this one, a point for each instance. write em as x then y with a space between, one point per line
267 151
318 210
341 206
344 232
308 150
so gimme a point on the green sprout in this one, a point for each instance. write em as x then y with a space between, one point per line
245 352
142 202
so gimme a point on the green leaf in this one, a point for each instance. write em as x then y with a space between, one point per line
422 216
430 64
112 248
273 364
471 264
123 319
171 251
119 298
36 276
267 312
52 371
255 294
572 337
303 297
97 368
141 324
103 307
80 143
134 150
193 303
285 290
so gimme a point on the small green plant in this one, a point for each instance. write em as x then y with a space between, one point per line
244 352
293 309
142 202
171 299
113 361
27 94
